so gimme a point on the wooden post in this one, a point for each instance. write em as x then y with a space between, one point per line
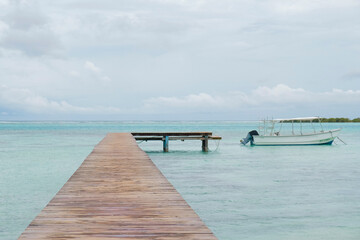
166 144
205 145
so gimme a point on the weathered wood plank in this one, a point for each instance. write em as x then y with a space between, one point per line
171 133
150 138
117 193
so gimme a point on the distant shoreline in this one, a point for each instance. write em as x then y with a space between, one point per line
334 120
340 120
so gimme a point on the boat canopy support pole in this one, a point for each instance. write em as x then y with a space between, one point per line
265 127
280 126
312 126
322 129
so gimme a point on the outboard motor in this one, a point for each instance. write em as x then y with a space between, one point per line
249 137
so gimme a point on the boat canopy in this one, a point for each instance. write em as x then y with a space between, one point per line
296 119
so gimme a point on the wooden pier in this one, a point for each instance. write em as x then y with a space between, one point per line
165 137
117 192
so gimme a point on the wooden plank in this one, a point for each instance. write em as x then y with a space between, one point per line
117 192
151 138
215 138
171 133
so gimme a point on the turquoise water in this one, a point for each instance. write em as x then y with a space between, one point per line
308 192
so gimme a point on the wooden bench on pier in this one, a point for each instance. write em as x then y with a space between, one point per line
167 136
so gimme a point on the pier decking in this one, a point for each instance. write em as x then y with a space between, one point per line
167 136
117 192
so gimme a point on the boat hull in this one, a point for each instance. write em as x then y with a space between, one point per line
321 138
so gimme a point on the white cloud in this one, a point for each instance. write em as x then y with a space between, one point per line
3 29
277 100
24 99
278 96
96 71
301 6
4 2
91 66
27 101
74 73
190 101
55 48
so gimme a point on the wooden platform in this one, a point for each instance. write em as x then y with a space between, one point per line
168 136
117 192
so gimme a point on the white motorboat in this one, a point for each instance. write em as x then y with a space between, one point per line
270 136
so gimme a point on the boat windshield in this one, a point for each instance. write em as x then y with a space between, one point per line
290 126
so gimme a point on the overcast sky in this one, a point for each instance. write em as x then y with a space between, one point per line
179 59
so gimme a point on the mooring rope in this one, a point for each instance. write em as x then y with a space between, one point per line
342 141
217 143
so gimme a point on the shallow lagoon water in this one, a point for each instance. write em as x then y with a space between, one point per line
240 192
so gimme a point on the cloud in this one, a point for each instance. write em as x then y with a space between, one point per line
91 66
278 96
24 27
96 71
260 102
301 6
3 28
351 76
191 101
25 17
37 42
74 73
26 100
199 51
4 2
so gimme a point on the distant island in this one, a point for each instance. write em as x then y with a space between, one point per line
329 120
339 120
